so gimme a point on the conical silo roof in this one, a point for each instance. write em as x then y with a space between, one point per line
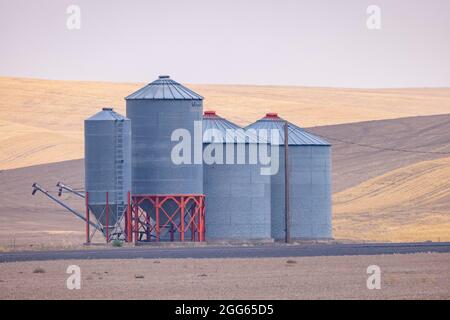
164 88
212 121
107 114
297 135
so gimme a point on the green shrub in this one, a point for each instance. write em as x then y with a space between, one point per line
117 243
39 270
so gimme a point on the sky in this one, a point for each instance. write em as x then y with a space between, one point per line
324 43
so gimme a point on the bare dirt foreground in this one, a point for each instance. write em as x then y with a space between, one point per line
416 276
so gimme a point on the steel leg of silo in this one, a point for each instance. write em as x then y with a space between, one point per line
136 224
157 219
147 226
182 209
202 219
195 222
198 219
192 225
125 230
128 220
199 223
199 213
107 217
88 240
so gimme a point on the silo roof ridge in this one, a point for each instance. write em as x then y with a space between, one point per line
297 135
106 114
223 125
164 88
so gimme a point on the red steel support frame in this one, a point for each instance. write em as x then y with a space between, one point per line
202 219
157 207
187 212
127 215
128 219
136 223
182 208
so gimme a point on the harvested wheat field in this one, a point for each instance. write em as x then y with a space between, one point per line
380 194
416 276
28 222
407 204
41 121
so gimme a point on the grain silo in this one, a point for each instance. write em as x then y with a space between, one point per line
310 182
107 167
164 189
156 111
237 194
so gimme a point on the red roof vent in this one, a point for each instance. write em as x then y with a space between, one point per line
272 116
210 114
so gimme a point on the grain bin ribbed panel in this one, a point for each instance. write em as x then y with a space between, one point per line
310 183
237 195
156 111
107 163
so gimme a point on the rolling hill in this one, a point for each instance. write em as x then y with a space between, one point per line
391 153
381 195
407 204
368 149
41 121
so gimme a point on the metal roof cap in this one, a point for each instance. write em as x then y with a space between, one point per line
211 121
164 88
107 114
297 136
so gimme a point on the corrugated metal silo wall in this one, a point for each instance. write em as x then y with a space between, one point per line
310 193
153 122
103 173
237 201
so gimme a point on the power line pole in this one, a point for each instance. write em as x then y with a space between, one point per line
286 184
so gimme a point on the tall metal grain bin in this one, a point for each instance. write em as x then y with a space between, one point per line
310 182
237 195
107 159
156 110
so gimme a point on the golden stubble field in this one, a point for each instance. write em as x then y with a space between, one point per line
406 204
41 121
379 196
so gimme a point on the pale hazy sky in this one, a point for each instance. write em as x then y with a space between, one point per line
311 43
